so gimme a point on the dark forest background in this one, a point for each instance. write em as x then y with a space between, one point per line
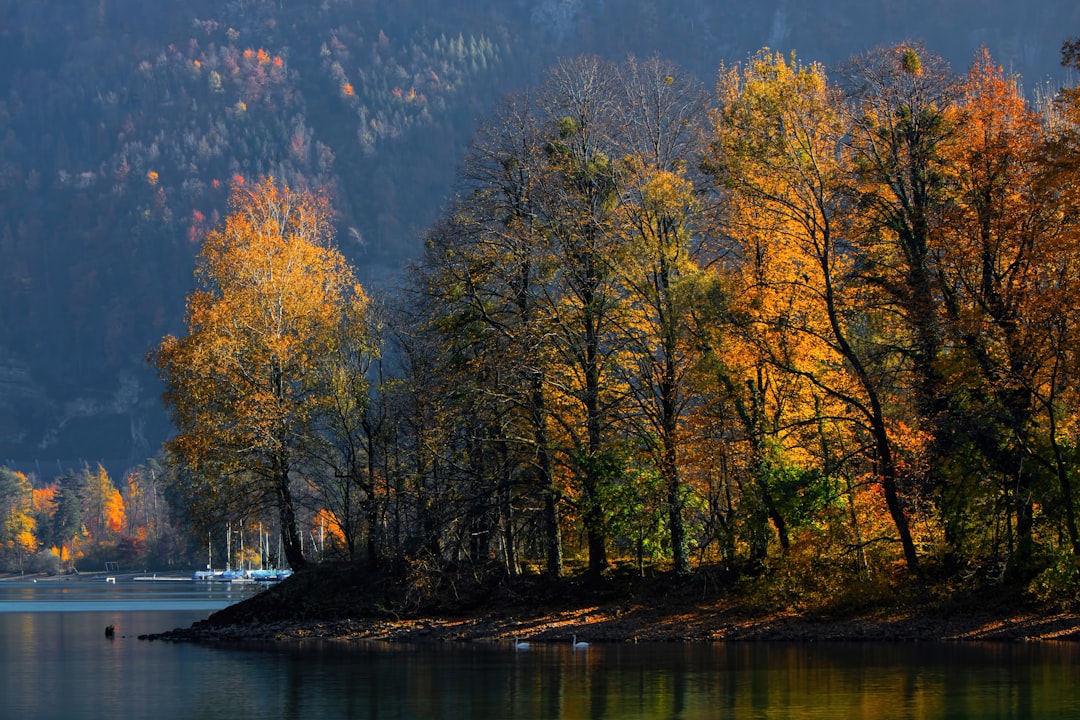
123 124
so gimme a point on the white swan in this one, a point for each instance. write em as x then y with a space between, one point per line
518 645
574 642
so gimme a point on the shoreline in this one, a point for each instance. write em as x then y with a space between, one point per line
1062 627
343 603
357 606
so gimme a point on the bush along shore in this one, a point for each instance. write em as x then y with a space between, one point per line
352 602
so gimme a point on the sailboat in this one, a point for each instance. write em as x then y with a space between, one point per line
241 575
226 575
209 573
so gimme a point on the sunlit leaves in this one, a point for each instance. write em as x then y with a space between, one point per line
248 382
879 274
807 321
1008 258
662 223
105 516
18 541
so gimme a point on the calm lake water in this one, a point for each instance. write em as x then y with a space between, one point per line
55 662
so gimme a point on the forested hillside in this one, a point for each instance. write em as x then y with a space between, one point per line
123 131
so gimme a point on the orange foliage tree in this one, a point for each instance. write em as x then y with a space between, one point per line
1000 255
104 516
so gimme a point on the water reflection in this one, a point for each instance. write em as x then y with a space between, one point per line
59 665
872 681
92 595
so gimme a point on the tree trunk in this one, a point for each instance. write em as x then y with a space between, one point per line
670 463
1066 490
875 418
679 554
552 536
372 536
887 471
594 519
507 512
290 535
371 505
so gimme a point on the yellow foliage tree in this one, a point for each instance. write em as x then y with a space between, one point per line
248 384
662 220
17 525
775 154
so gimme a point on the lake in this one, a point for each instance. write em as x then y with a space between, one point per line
56 663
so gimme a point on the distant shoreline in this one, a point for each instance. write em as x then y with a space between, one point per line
37 577
95 576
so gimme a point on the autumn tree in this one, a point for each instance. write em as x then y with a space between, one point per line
68 518
146 510
774 151
17 525
506 169
1070 97
43 509
150 534
1054 293
999 259
549 283
902 118
103 515
421 476
343 449
579 195
247 384
661 218
482 281
521 274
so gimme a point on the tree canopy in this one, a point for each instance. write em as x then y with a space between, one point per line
827 318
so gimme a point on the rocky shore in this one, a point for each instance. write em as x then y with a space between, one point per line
349 603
